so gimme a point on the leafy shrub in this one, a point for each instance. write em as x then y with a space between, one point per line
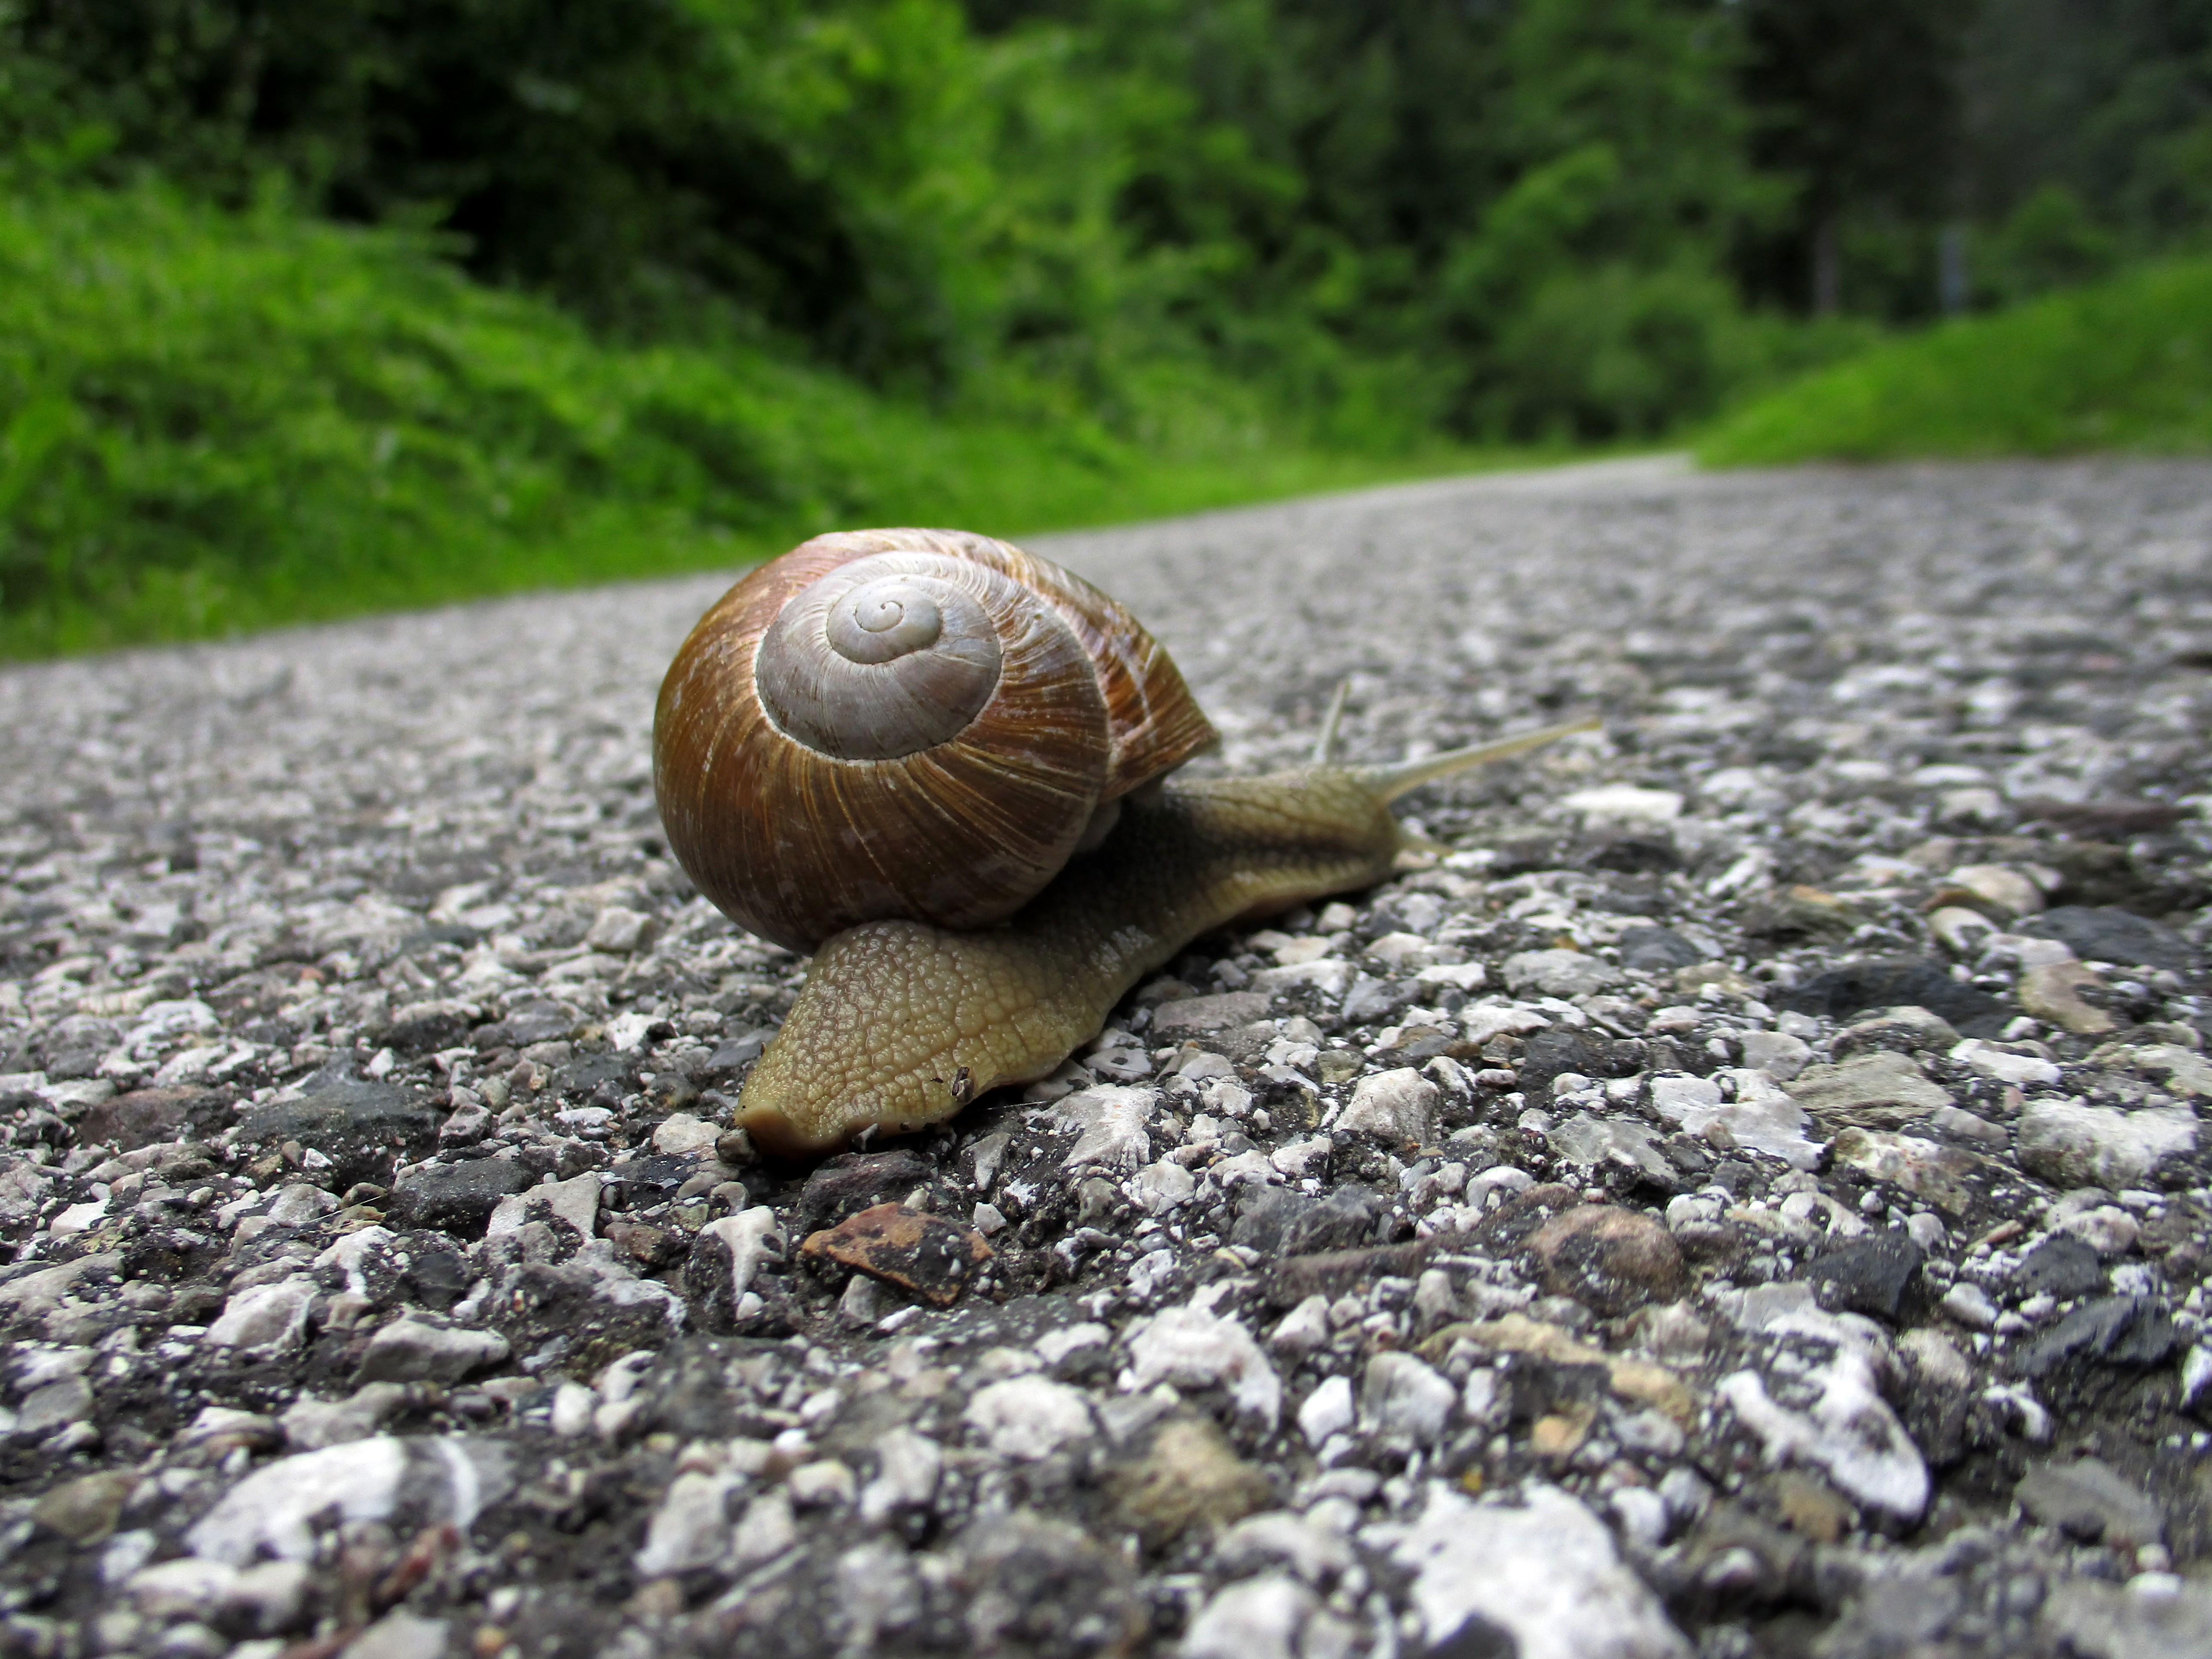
2125 364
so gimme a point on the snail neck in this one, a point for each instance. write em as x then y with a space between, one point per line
899 1024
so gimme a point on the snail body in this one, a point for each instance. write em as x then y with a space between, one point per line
939 763
899 1024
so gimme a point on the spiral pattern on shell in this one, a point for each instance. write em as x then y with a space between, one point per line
905 723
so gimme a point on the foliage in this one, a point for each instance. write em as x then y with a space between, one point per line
208 423
2126 364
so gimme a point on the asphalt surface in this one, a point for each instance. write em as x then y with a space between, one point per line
1745 1199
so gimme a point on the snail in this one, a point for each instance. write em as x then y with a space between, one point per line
940 764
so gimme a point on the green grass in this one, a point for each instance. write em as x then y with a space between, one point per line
2123 365
209 424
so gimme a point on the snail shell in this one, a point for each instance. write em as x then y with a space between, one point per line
906 723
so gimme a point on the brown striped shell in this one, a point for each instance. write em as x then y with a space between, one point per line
911 723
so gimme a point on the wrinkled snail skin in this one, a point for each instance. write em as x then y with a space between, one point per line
899 1024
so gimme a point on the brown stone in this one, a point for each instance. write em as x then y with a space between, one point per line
1561 1433
84 1510
925 1255
1189 1477
648 1245
1811 1508
1611 1259
2052 992
141 1118
1333 1273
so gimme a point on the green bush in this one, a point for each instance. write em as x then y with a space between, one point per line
210 423
2125 364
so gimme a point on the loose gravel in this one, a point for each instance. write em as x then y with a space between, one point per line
1745 1197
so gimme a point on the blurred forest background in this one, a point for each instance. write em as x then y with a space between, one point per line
311 309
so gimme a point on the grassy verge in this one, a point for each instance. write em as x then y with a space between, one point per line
2123 365
209 424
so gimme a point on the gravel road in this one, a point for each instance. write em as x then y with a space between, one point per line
1745 1199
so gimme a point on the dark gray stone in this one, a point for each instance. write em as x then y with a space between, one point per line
458 1198
1269 1214
2062 1266
1870 1275
363 1127
2120 1331
2096 933
1893 981
1657 950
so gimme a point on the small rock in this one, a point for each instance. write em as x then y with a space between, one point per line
1258 1619
1970 1304
908 1466
1402 1399
725 1256
358 1126
2101 934
84 1510
1903 981
691 1527
1327 1411
398 1635
2064 1266
2132 1621
1190 1477
1539 1579
1027 1417
1779 1054
457 1198
1656 950
618 931
1625 803
2120 1331
310 1424
144 1117
409 1350
415 1482
2106 1229
1193 1347
1398 1105
853 1181
1762 1118
1811 1507
2024 1070
2070 1145
681 1135
1196 1015
1879 1088
1934 1173
2180 1071
1565 974
266 1318
1162 1188
2002 891
1870 1275
1587 1142
1827 1409
826 1483
1610 1259
1112 1119
2052 991
925 1255
2092 1501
